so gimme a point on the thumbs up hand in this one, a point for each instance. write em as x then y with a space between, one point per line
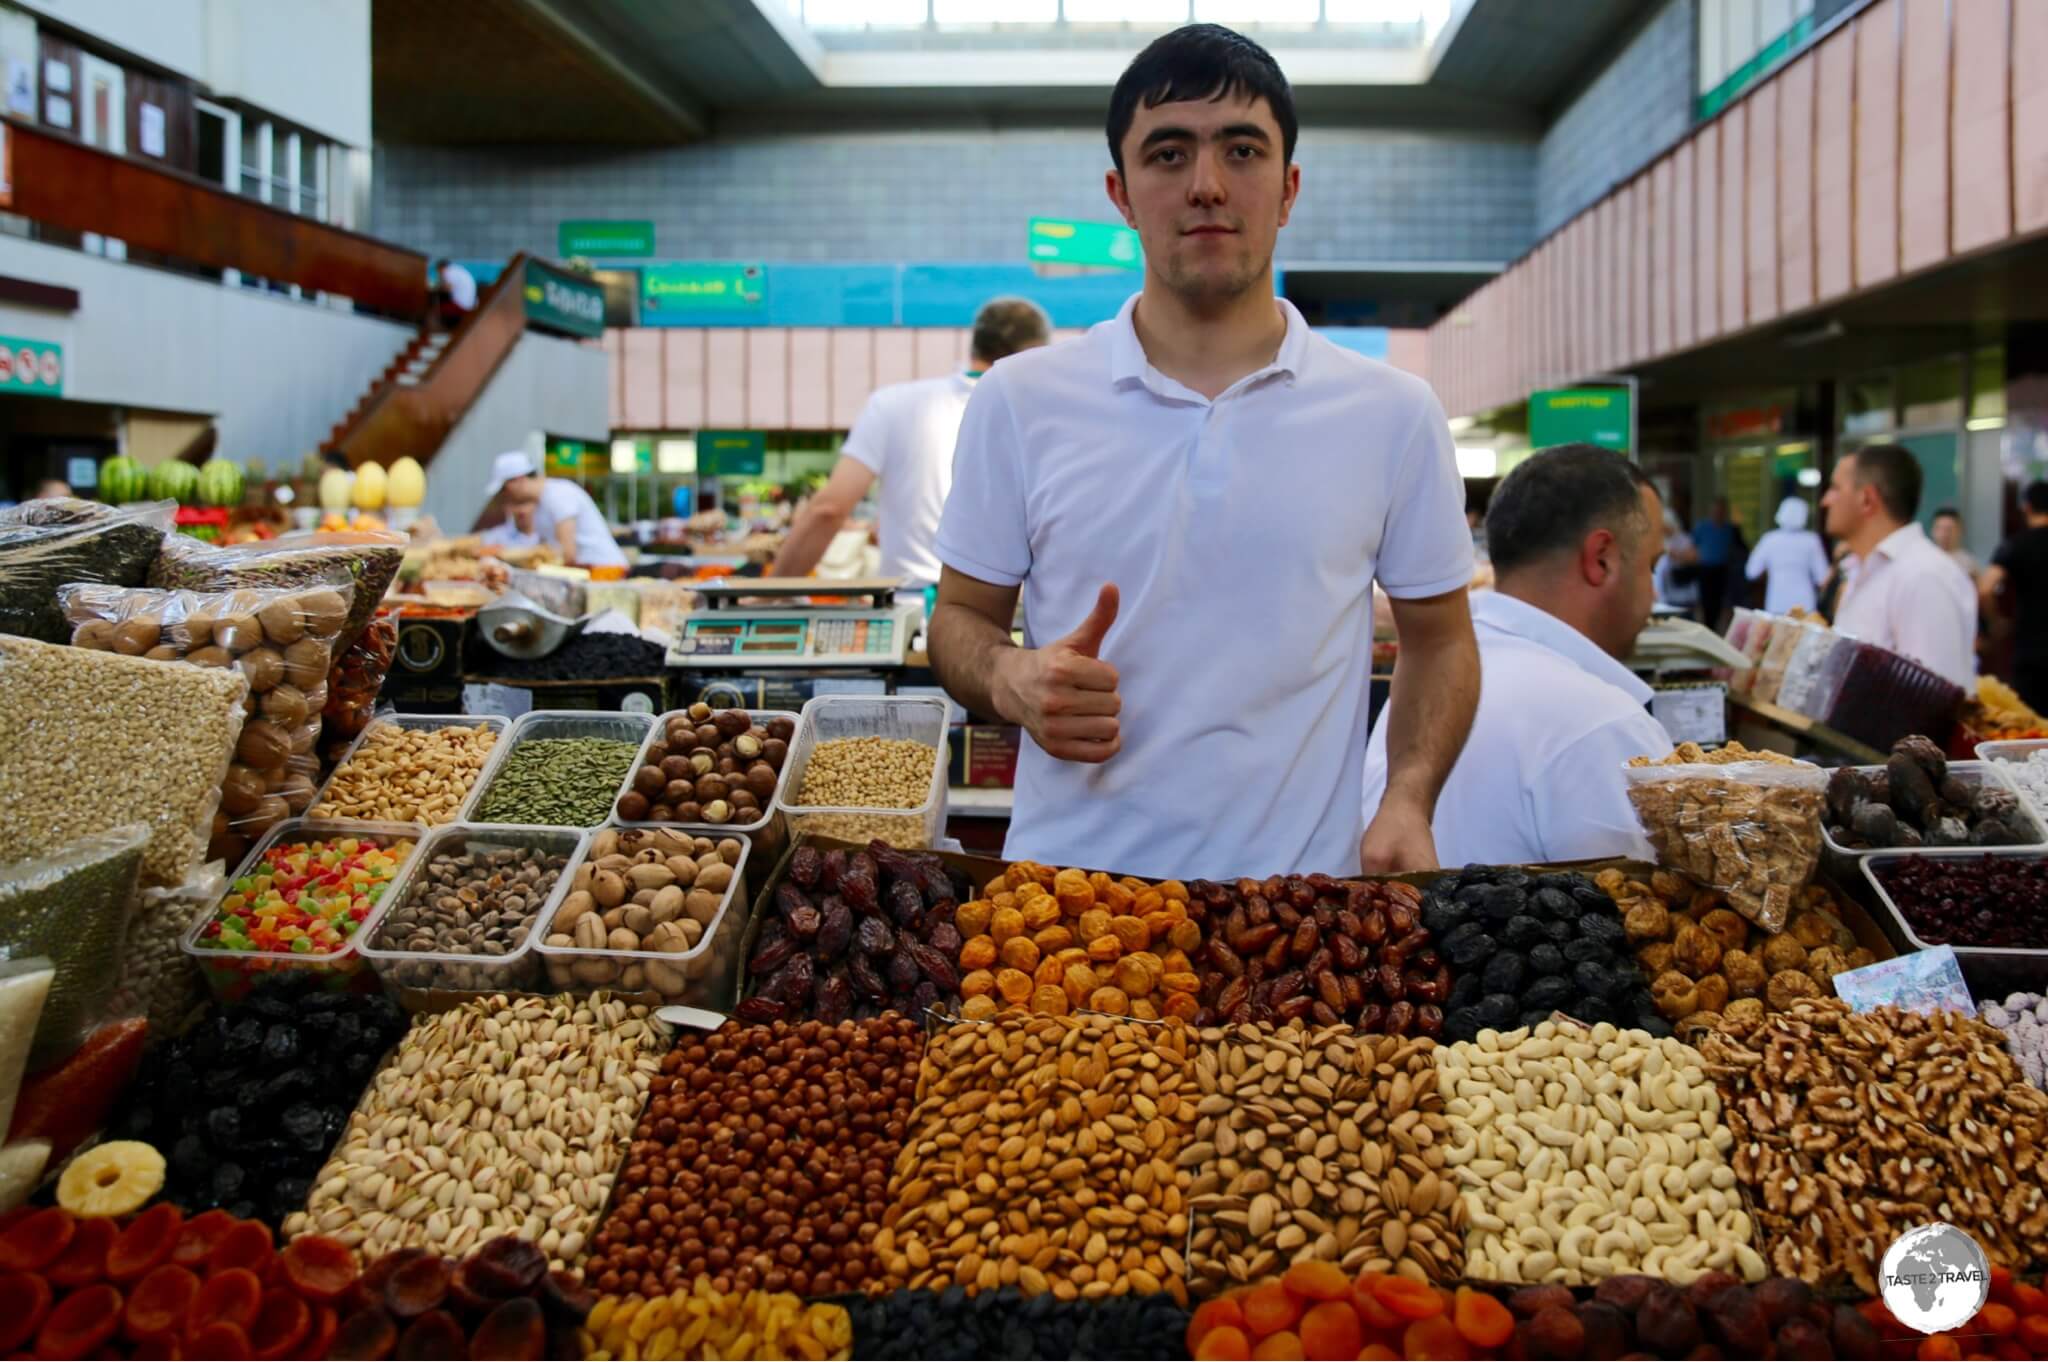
1063 694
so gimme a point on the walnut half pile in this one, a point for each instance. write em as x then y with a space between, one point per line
1708 967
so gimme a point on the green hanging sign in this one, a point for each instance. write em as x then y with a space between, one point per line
605 237
699 287
731 453
1061 241
1594 416
559 301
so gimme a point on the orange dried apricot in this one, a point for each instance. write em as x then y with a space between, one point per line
1481 1318
1184 936
1049 998
1315 1280
1186 1006
1040 913
1407 1298
999 885
1213 1314
1105 949
1014 984
1110 1000
981 1008
1173 891
1176 961
1132 932
1147 901
1181 983
1224 1343
1365 1300
972 917
1117 898
1433 1339
1019 875
1093 923
1020 953
1158 924
975 983
1005 923
1284 1346
1378 1352
1329 1331
1053 938
1144 1009
1049 974
1079 983
978 953
1135 977
1268 1309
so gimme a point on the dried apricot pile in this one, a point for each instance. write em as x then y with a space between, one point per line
1317 1311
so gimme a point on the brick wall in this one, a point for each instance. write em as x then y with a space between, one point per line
1367 195
1639 105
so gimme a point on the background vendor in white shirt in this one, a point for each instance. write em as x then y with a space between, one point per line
553 511
1899 590
1575 533
905 437
1195 500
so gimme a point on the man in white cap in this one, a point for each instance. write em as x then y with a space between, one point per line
554 511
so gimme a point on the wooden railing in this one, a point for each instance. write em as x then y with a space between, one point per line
413 419
63 183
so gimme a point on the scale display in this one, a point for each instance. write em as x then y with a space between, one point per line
857 638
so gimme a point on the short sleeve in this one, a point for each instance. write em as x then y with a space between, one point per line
1586 814
868 443
1426 549
983 532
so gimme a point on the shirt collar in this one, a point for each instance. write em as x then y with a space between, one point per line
1127 362
1496 610
1900 541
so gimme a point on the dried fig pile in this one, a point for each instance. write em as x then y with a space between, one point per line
1917 801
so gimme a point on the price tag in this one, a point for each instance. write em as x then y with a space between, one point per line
1693 713
1924 981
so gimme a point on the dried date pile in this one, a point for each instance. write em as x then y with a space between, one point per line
853 934
1318 950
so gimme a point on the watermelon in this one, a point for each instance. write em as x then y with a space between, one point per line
122 480
174 480
220 484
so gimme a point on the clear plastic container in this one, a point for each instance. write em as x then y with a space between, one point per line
231 974
414 978
559 723
2015 752
704 976
769 833
827 717
1973 774
1990 971
427 723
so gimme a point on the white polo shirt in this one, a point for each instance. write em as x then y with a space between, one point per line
905 437
562 500
1244 534
1540 777
1909 596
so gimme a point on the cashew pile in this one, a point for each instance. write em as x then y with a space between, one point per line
504 1116
1322 1145
1586 1154
1851 1128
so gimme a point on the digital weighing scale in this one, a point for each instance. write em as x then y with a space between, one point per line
872 629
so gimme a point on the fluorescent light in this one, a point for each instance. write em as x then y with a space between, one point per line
1477 461
623 453
1985 423
676 456
1809 477
1460 424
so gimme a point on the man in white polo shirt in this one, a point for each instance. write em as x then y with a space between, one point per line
1195 499
1575 533
1899 590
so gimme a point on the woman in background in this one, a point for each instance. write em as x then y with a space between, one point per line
1793 559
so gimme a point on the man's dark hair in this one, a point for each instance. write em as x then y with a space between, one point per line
1556 497
1948 511
2035 497
1200 61
1895 473
1006 325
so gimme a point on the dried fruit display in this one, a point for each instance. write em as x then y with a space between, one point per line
1310 948
852 934
1998 901
1317 1310
1916 800
1055 940
1746 823
1714 1316
1526 946
499 1302
1707 965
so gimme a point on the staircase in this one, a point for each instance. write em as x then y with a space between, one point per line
405 371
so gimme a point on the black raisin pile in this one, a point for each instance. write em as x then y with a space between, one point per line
951 1323
1525 946
246 1105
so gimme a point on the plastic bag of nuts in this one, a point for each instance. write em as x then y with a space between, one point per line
709 766
1035 1143
282 641
643 912
1323 1145
1745 823
801 1215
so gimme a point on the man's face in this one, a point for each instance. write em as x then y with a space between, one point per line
1634 592
522 502
1206 185
1847 501
1948 532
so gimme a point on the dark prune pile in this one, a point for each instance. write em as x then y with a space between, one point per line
1003 1323
1311 948
1525 946
857 934
1916 801
501 1301
246 1104
1971 901
1715 1316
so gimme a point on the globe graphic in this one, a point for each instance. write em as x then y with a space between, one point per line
1935 1278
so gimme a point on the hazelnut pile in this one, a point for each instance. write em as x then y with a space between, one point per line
708 765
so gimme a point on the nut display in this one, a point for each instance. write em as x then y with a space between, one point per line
1999 901
158 980
868 773
472 895
854 933
2023 1017
705 1321
502 1116
406 774
1850 1127
1318 950
1044 1154
1526 946
1917 800
564 782
1054 940
1006 1323
90 741
639 897
282 641
1745 823
501 1301
1318 1145
1587 1153
821 1112
709 766
1706 963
